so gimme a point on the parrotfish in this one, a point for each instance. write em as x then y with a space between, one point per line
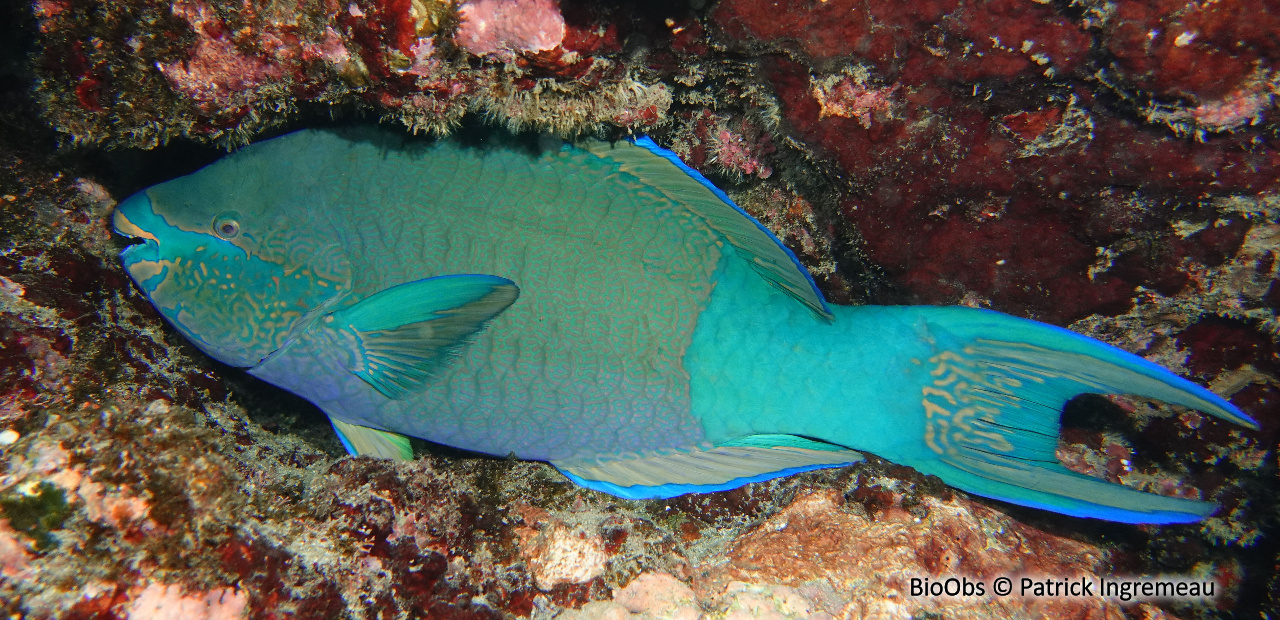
605 308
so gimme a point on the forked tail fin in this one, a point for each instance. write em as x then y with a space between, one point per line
993 401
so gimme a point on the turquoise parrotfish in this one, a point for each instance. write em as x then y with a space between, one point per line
605 308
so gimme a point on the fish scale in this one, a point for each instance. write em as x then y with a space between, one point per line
792 373
594 279
605 308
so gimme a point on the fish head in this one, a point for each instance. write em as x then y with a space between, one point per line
232 257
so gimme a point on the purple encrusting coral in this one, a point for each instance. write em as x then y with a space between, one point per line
1111 167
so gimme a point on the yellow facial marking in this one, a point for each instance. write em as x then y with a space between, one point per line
126 227
144 270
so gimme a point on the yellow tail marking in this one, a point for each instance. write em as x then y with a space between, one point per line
964 403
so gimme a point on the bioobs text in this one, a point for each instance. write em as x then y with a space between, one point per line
949 586
1121 589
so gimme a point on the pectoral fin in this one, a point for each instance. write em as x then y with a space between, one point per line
398 337
365 441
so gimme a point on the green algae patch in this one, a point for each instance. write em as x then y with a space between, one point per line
36 510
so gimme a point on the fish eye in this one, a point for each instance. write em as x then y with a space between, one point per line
226 226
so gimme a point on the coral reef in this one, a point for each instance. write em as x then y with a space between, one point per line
226 71
235 69
496 28
1212 63
1107 166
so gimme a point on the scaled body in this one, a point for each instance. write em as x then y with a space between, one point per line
610 288
604 308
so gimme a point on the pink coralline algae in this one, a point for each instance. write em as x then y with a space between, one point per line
734 152
330 49
1244 106
558 553
732 145
824 556
1237 108
169 601
105 504
13 553
222 72
811 546
660 595
217 75
423 63
503 27
846 96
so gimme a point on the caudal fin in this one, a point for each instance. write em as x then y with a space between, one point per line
993 403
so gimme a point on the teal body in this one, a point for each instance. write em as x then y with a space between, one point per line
606 309
587 359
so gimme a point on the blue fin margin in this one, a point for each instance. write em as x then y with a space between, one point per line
993 403
1042 334
665 491
648 144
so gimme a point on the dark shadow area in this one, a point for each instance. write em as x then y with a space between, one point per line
279 411
21 130
1094 413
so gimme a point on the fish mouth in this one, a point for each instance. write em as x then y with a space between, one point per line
141 258
139 250
143 246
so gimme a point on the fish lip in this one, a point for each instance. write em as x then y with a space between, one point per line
140 250
143 245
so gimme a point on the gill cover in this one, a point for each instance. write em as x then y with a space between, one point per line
226 275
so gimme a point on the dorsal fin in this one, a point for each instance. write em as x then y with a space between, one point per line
665 173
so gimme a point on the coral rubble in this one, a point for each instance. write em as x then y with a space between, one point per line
1108 166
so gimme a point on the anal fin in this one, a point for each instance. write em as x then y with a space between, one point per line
702 470
365 441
